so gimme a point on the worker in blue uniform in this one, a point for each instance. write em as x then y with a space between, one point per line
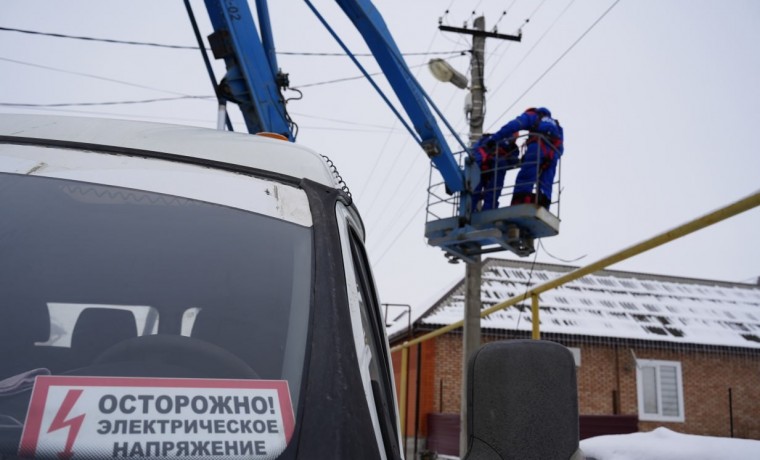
494 159
543 149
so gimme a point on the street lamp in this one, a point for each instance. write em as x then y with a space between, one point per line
443 71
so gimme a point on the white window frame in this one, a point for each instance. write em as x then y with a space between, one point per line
657 365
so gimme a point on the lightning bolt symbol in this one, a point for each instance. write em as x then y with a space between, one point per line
61 421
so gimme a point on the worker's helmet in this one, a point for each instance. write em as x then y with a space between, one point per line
543 111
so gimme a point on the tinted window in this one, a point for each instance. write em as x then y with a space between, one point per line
86 268
375 350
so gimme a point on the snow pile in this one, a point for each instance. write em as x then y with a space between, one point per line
663 444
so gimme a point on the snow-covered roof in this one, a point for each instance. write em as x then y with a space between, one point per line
614 304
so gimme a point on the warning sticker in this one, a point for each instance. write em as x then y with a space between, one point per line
117 417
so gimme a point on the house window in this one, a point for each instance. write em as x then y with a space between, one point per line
660 390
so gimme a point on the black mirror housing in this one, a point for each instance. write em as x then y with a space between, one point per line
522 402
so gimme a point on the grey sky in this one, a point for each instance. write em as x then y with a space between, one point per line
659 102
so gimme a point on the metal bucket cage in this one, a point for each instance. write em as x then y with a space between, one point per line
495 219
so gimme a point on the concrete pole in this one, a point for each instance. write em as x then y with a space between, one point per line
477 87
471 327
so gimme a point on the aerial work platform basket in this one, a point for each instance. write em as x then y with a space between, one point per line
465 230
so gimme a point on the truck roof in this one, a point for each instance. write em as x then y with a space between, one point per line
258 152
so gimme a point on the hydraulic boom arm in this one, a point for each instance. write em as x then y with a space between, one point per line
253 80
371 26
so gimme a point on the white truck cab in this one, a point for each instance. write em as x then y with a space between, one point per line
178 292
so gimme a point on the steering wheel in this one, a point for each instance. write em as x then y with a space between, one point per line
204 358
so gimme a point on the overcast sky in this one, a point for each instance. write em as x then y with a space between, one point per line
659 102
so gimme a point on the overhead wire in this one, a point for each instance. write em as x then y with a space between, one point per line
161 45
94 39
222 104
345 79
403 180
369 125
583 35
193 47
97 77
503 15
567 261
421 53
142 101
209 97
398 188
395 161
76 104
552 66
502 55
462 120
385 145
370 128
509 44
416 212
527 287
533 13
533 47
398 235
114 114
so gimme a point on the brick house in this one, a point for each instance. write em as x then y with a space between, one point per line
664 351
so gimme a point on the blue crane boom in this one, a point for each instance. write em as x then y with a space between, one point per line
373 29
254 82
253 79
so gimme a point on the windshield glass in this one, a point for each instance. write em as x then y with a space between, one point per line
203 308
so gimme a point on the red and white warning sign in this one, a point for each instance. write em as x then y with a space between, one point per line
118 417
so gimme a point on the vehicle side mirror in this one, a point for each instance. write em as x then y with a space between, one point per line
522 402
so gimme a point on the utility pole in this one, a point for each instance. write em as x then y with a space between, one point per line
472 303
473 270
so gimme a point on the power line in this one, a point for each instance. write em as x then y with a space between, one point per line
358 77
540 39
94 39
559 59
189 47
461 118
122 82
567 261
398 235
426 53
527 285
367 125
369 128
380 156
527 20
81 104
503 15
120 115
88 75
397 188
530 16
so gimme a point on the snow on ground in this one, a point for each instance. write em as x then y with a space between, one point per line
664 444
